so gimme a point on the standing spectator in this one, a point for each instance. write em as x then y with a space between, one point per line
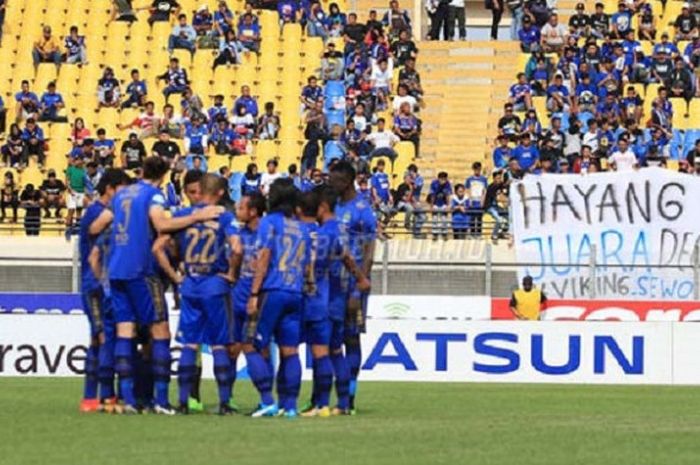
623 159
46 49
380 193
75 48
383 142
686 24
246 100
397 20
223 19
492 207
175 78
27 103
9 197
459 205
476 185
136 91
104 148
438 11
123 10
161 10
268 123
33 137
51 103
554 35
31 201
75 181
270 176
405 48
183 36
249 34
517 13
12 151
229 50
108 92
438 199
166 148
146 122
408 202
132 153
315 131
496 7
407 127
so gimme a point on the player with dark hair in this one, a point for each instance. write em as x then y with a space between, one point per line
359 225
99 368
137 214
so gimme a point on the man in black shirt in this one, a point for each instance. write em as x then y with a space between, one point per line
410 77
30 200
509 124
403 48
686 25
694 154
491 205
353 33
579 24
133 152
165 148
373 24
161 9
600 22
52 190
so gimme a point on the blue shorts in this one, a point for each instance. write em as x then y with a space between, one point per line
318 332
240 314
337 335
336 306
279 315
98 308
205 320
139 300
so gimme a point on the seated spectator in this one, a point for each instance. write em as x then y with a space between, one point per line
502 153
183 36
380 80
30 200
521 94
27 103
336 20
409 203
123 10
75 48
196 136
51 103
316 21
558 97
396 19
203 24
373 23
380 195
166 148
146 122
191 105
270 176
526 154
14 147
621 22
268 123
9 197
46 49
249 33
680 82
3 116
476 185
586 95
33 138
353 33
243 123
104 149
667 47
623 159
332 67
553 35
161 10
311 93
407 127
410 77
247 101
52 195
646 23
660 141
171 122
531 126
85 151
250 184
223 19
217 111
403 49
79 132
248 9
694 153
691 54
659 117
403 97
383 142
509 123
229 50
360 119
288 11
132 153
631 105
222 138
600 22
609 109
580 23
136 91
175 78
108 92
686 24
529 36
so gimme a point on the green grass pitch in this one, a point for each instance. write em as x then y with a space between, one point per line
398 423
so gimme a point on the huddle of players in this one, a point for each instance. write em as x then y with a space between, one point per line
296 274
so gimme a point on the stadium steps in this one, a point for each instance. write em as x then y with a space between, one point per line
464 84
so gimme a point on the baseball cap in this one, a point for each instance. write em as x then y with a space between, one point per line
52 172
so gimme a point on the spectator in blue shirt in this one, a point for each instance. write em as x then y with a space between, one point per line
229 49
33 137
104 148
336 20
203 24
502 153
439 201
196 162
183 36
459 205
251 182
222 138
311 93
288 11
621 21
175 78
75 48
316 24
136 91
407 127
27 103
529 36
520 94
558 98
217 111
249 33
196 136
108 92
526 153
380 189
416 180
668 47
476 185
51 103
223 19
247 101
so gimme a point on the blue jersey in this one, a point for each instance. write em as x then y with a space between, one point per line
87 241
202 248
358 224
380 183
103 244
132 233
289 249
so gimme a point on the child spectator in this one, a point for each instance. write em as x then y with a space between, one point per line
75 182
459 205
476 185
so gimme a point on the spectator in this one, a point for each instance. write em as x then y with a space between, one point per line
476 186
409 203
680 82
196 136
175 78
249 34
132 153
554 35
316 21
496 7
146 122
459 206
31 201
52 190
223 19
75 48
108 92
251 181
600 22
79 132
75 182
383 142
336 20
332 66
12 151
289 11
380 80
311 93
380 193
46 49
438 199
171 122
51 103
353 33
580 23
403 97
243 123
161 10
183 36
314 132
529 36
517 13
621 22
123 10
166 148
192 105
409 77
407 127
491 206
222 138
521 94
229 50
203 24
27 103
502 152
404 48
509 124
247 101
526 153
9 197
647 23
659 117
268 123
136 91
437 12
397 20
558 97
104 149
686 25
33 137
270 176
623 159
217 111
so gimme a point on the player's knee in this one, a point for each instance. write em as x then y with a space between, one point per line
288 351
160 330
318 351
234 350
126 330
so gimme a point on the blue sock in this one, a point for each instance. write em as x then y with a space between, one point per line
261 376
292 380
323 381
161 370
91 367
280 382
342 380
222 365
105 370
232 373
123 365
186 370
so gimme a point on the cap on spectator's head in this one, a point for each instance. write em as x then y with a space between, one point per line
164 131
52 173
203 7
556 118
580 6
527 19
622 3
558 75
599 5
686 6
133 135
664 34
331 44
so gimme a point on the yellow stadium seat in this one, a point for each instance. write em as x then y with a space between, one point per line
140 29
267 91
269 25
184 56
31 175
67 78
45 74
694 120
59 132
107 118
215 162
240 162
245 75
265 150
291 35
203 60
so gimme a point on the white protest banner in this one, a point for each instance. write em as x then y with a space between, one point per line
644 224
